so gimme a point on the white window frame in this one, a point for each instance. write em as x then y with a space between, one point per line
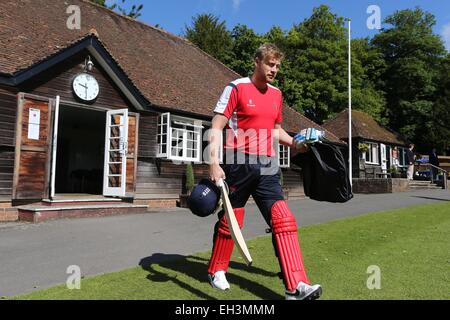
284 162
206 157
165 128
373 153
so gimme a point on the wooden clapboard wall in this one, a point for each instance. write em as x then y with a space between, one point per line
148 124
162 179
58 81
6 172
8 109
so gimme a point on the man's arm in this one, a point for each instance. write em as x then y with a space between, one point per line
285 139
218 123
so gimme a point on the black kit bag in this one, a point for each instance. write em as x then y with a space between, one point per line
325 173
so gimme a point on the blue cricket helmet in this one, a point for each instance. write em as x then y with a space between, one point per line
204 198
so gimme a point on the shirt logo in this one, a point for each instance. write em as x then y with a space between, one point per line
250 103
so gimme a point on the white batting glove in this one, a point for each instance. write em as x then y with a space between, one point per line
307 136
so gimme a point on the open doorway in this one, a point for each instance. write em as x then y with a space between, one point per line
80 151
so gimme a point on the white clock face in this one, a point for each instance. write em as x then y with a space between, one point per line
85 87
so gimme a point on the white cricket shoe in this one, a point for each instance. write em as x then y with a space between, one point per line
304 292
218 280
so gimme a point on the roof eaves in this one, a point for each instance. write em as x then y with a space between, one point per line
177 111
91 42
27 71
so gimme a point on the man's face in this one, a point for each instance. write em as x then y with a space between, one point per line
268 68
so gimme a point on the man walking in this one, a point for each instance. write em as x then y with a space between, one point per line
251 110
434 160
411 158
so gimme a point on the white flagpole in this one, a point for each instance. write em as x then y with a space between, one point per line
350 149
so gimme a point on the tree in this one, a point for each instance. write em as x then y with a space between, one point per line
441 110
134 12
367 66
211 36
413 56
314 74
245 42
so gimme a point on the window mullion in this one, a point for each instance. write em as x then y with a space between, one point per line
198 149
184 143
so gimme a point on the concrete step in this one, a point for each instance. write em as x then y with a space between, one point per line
71 201
425 187
417 184
154 196
40 213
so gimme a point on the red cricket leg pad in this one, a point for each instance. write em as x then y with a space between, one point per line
223 243
284 228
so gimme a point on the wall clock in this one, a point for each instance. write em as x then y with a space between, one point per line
85 87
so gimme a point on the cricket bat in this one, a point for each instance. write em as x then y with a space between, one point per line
233 224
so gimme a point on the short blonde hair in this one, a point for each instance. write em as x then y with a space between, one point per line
268 50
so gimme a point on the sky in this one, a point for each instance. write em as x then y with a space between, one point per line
261 15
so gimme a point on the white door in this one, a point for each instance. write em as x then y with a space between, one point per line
116 147
54 148
383 158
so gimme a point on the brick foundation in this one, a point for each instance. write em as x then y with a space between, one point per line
158 203
400 185
39 216
8 215
7 212
371 185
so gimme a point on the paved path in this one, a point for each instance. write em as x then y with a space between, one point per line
36 256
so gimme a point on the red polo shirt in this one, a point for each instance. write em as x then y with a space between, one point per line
252 115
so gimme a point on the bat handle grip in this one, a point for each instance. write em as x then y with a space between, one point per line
220 183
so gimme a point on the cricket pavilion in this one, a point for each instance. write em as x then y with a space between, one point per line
102 119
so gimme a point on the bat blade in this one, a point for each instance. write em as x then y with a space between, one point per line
234 226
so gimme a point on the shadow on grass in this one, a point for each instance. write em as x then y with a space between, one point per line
431 198
196 268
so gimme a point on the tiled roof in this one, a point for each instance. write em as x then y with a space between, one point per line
363 126
168 70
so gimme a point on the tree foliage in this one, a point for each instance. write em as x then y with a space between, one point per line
413 56
134 12
210 35
244 44
401 77
440 134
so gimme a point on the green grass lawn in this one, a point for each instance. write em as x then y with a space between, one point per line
411 246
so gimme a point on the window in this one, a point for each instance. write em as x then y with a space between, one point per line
402 158
205 144
371 155
179 138
163 134
284 153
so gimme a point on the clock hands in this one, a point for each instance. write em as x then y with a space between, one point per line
85 86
